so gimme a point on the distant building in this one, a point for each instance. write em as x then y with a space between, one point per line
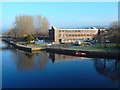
71 35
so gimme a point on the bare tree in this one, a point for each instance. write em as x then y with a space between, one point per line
112 34
45 26
41 25
37 24
11 32
24 25
115 30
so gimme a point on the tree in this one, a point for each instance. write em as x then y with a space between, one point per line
29 38
98 37
115 32
41 25
24 25
11 32
112 34
36 39
45 26
37 24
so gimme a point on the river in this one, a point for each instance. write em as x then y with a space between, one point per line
47 70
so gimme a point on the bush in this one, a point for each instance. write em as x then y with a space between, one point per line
29 38
36 39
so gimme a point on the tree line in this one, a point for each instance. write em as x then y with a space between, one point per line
26 24
112 34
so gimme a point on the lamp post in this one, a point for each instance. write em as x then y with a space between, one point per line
105 33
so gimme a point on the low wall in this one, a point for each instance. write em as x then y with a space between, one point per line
90 54
22 47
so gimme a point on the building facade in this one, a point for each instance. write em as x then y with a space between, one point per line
71 35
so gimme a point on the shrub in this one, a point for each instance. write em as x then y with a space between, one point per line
36 39
29 38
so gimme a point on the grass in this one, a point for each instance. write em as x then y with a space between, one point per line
32 45
98 48
94 48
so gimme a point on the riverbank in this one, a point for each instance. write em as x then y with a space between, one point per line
86 51
110 48
27 47
96 50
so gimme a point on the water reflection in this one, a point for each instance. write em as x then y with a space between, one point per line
108 68
5 46
27 61
37 70
59 57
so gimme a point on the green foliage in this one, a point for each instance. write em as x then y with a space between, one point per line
29 38
36 39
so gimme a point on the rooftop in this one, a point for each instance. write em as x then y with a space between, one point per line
92 28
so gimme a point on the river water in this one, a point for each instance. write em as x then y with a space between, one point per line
46 70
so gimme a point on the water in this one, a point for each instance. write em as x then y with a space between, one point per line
46 70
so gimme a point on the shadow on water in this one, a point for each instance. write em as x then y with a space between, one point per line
106 67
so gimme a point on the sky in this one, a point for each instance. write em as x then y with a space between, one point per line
62 14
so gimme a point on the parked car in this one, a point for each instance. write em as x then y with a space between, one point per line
90 41
49 44
77 43
106 41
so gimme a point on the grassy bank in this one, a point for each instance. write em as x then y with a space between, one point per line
98 48
34 45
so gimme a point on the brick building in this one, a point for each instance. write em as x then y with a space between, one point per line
71 35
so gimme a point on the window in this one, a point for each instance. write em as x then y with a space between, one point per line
59 35
59 30
75 34
72 30
87 34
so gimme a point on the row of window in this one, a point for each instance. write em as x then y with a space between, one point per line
71 39
76 31
74 35
74 39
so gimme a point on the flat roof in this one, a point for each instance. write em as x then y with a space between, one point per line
78 29
92 28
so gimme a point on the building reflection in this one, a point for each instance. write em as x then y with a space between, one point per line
29 61
108 68
59 57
